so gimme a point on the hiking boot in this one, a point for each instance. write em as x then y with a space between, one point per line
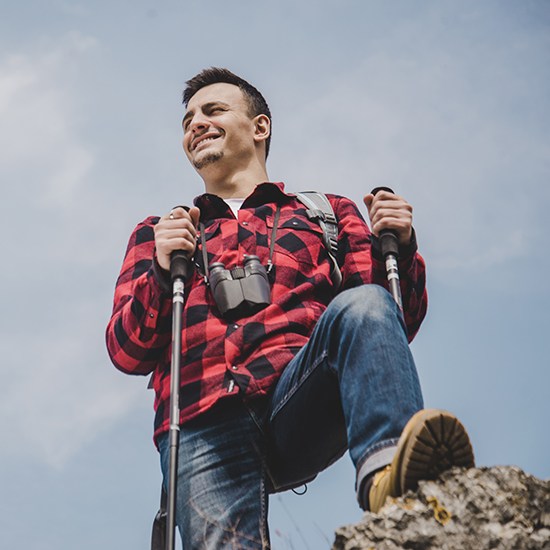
433 441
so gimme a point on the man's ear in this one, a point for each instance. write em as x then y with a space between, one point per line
262 128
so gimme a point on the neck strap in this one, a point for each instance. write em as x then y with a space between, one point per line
271 244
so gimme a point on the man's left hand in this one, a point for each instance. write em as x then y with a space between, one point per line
389 211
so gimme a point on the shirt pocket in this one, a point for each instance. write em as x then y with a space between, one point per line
299 241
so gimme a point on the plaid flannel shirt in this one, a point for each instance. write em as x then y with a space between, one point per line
221 358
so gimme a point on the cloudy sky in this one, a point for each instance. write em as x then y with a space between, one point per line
447 102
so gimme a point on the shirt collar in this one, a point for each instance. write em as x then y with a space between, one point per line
213 206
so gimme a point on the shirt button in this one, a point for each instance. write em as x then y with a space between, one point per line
234 367
294 223
245 223
235 327
151 315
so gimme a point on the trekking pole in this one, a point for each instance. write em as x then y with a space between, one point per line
179 271
390 251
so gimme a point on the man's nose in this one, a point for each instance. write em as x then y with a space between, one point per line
198 123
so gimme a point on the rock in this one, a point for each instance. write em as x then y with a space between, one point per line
498 508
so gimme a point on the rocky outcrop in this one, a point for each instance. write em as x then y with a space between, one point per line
499 508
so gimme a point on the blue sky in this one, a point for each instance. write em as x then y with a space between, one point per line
447 102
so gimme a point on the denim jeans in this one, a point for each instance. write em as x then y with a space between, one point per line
352 386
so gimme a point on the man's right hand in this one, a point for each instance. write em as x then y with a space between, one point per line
176 230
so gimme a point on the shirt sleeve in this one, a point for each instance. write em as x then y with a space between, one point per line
139 331
362 263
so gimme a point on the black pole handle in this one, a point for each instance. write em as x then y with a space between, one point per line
390 250
387 237
180 266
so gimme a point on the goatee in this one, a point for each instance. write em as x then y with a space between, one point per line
206 160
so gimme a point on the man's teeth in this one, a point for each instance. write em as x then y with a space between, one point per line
206 139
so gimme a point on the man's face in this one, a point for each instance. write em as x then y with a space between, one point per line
216 126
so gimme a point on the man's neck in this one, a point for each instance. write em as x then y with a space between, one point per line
235 185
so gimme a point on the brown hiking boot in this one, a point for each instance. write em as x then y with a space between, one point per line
431 443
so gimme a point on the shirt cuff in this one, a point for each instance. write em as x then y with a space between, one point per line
162 276
406 251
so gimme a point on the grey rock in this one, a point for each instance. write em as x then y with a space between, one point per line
498 508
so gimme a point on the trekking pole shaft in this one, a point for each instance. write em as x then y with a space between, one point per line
392 273
173 435
179 269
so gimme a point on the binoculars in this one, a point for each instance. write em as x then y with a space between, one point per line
242 291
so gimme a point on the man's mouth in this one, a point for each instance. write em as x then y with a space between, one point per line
201 140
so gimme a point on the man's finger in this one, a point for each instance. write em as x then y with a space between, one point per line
195 215
368 200
176 213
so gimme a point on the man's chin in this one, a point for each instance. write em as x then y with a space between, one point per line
207 159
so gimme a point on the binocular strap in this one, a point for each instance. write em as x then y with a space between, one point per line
271 244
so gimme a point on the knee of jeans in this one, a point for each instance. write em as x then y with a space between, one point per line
371 302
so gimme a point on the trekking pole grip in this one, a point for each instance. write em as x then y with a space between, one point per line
390 250
179 262
387 237
179 265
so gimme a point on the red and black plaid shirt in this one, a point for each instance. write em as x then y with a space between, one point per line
220 358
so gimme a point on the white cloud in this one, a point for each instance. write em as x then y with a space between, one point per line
456 135
59 394
39 144
59 390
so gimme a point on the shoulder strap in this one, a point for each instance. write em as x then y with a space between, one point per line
320 210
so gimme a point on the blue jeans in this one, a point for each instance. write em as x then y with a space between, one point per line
352 386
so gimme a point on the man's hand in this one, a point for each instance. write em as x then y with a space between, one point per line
389 211
176 230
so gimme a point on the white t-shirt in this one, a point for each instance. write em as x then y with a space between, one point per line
234 204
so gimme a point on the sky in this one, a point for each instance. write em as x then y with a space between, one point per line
445 101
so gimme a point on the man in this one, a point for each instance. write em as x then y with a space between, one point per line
271 394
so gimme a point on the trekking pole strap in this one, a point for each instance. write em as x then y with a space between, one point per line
158 535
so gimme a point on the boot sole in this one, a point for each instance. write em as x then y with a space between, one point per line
438 441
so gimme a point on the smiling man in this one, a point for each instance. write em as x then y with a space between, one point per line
284 365
222 110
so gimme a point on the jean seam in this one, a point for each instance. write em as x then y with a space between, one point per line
254 418
265 532
292 390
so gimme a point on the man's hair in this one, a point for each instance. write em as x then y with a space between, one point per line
257 105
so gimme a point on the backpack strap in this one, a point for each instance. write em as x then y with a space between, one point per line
320 210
